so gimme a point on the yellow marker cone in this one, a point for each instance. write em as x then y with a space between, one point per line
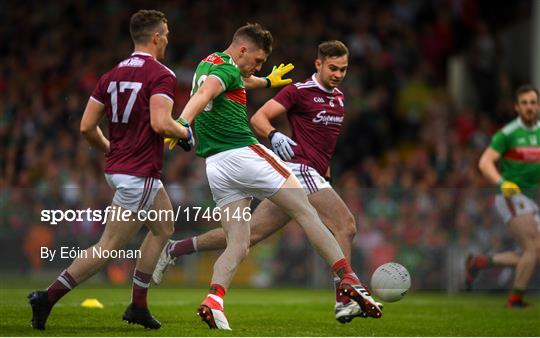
92 303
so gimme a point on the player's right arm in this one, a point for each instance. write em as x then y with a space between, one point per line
487 165
161 120
261 119
89 127
209 90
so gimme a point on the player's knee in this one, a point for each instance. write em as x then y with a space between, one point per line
165 232
349 226
109 244
168 230
256 237
164 229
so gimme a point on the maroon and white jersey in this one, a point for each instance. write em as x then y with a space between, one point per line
315 115
125 91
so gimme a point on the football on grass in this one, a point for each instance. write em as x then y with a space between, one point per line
390 282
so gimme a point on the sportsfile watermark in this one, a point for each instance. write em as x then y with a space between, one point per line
114 213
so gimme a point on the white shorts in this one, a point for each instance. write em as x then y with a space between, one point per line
309 178
132 192
516 205
252 171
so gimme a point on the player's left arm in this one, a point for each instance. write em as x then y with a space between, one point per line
273 80
93 113
209 90
254 82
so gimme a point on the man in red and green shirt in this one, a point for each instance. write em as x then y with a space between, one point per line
517 147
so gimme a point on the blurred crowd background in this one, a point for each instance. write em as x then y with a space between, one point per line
429 82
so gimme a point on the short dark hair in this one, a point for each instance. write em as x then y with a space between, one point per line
525 89
257 34
143 23
332 48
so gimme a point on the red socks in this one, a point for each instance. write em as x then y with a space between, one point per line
343 270
218 290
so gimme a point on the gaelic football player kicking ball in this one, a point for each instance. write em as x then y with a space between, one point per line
238 168
315 109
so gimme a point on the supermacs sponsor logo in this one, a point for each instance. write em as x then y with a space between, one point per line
132 62
324 118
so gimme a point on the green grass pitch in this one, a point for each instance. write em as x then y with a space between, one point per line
272 312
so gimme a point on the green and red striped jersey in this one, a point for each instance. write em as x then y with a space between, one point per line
519 147
223 125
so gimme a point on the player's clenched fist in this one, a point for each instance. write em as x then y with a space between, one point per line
509 188
281 144
185 144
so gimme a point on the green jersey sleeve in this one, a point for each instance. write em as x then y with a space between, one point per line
227 73
499 142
